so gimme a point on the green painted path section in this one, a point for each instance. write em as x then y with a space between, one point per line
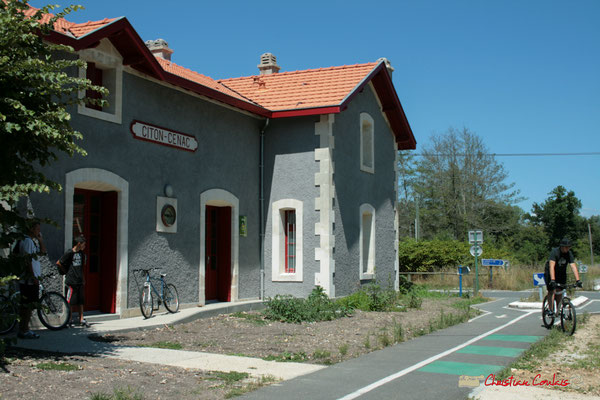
513 338
492 351
458 368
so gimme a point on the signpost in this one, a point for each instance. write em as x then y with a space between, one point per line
490 262
461 271
476 238
538 280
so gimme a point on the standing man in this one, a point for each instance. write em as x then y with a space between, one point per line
29 285
556 270
73 262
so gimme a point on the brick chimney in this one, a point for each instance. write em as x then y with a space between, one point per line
160 48
268 64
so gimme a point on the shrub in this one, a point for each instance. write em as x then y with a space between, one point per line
371 298
317 307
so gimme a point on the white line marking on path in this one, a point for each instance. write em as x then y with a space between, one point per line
485 312
421 364
501 316
479 316
588 303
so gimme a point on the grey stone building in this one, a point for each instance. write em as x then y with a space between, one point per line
238 189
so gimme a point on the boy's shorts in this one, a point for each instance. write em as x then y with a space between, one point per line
29 293
75 295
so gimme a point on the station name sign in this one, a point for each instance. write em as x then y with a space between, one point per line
166 137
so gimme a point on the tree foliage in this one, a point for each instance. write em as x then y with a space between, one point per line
429 255
558 215
460 186
34 122
457 185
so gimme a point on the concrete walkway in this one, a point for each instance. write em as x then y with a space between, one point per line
76 341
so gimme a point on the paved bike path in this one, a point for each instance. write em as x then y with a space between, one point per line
426 367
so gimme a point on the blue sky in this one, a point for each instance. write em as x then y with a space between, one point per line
523 75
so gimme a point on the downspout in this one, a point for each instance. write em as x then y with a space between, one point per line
261 202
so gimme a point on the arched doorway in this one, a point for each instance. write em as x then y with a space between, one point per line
219 232
96 207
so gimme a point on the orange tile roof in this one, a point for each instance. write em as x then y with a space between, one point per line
70 28
301 89
84 28
193 76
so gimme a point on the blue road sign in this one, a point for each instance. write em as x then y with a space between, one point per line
490 262
538 279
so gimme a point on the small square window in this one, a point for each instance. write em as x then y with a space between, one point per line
104 68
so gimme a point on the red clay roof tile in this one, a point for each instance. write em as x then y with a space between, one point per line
301 89
193 76
70 28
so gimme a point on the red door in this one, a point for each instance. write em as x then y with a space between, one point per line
218 253
95 217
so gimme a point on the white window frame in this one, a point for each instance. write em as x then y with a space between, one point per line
369 271
367 121
278 209
112 67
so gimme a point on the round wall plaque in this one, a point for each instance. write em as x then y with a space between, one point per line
168 215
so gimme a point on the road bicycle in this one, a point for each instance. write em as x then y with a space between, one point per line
53 310
167 295
566 311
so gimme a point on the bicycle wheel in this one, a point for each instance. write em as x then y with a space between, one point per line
568 318
8 315
171 298
146 301
546 318
54 311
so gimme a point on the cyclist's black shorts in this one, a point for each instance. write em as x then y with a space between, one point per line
29 293
75 295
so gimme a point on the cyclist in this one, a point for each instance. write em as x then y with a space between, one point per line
555 271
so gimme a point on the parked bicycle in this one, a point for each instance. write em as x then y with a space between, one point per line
53 309
566 311
167 295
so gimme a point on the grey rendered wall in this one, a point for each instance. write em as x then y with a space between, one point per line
290 169
354 187
227 158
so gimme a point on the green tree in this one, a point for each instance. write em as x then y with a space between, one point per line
34 122
582 248
558 215
530 244
407 174
461 186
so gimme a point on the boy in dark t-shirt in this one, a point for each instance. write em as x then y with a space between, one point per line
73 262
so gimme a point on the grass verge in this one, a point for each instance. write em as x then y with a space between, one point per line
164 345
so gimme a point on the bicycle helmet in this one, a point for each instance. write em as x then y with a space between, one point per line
565 242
